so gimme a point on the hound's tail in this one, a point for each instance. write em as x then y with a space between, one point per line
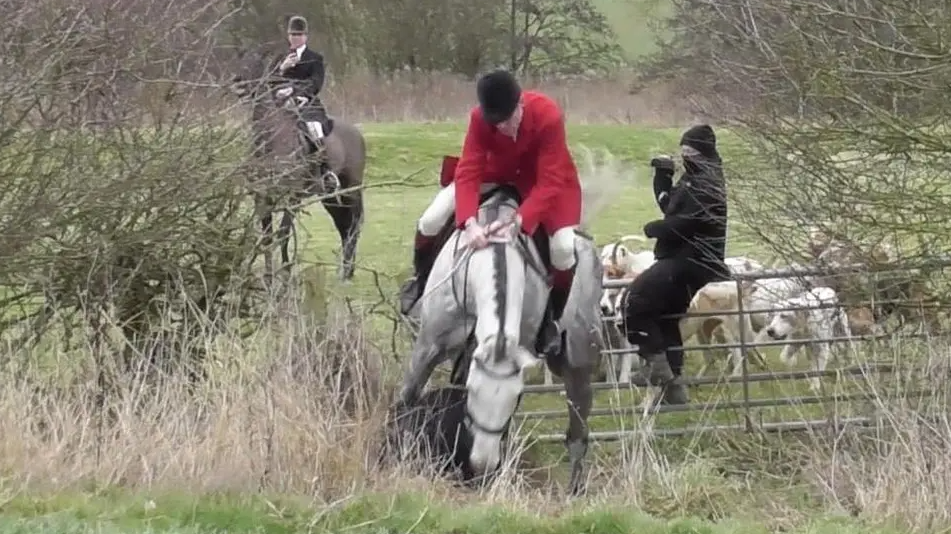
625 238
601 181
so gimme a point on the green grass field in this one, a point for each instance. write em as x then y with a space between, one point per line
115 513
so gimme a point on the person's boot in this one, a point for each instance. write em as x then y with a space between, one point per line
659 374
551 334
423 260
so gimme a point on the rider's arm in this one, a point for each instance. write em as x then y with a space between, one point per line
553 171
470 169
705 200
663 183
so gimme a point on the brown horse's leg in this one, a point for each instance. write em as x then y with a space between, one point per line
284 237
264 214
347 214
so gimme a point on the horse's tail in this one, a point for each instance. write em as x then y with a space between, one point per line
601 180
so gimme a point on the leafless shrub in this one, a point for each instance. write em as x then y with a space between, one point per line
121 210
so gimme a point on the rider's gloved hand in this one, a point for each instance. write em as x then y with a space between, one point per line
475 235
504 229
289 61
284 92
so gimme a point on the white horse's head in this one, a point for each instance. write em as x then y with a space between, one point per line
506 292
495 384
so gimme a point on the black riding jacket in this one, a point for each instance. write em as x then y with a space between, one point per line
309 73
695 215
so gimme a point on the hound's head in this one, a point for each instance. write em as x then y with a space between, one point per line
611 298
787 322
615 255
818 242
743 265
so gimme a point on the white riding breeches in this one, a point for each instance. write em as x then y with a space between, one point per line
562 246
315 129
443 206
438 212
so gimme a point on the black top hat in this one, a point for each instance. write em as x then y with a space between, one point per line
498 94
297 24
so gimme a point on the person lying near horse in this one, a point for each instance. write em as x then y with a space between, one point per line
515 138
306 67
690 249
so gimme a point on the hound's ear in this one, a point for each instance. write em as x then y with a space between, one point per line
746 287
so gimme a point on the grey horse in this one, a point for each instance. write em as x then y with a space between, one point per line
499 294
290 163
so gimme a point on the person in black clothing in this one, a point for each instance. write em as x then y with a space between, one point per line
306 67
690 250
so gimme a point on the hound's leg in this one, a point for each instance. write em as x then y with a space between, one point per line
821 353
579 396
627 364
789 352
847 332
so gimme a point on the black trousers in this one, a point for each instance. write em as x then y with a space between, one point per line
665 288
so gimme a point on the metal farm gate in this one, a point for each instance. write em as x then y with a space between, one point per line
745 408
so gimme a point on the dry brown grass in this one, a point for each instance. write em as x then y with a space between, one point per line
299 407
416 97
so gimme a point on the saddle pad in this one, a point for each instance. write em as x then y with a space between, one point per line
448 171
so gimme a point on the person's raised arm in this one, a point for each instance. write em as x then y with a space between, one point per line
663 180
706 201
471 169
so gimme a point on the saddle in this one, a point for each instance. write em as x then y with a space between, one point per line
314 110
447 174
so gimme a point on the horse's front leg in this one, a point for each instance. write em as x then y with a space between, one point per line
267 244
347 214
423 361
284 237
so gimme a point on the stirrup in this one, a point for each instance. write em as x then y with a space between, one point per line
332 177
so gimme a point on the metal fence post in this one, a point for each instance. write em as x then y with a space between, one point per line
747 417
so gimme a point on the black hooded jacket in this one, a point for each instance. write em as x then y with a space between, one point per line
695 209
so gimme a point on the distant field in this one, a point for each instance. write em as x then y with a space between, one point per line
631 20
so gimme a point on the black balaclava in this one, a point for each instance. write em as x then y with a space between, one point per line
702 139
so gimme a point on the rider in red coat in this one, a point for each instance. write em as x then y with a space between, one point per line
514 137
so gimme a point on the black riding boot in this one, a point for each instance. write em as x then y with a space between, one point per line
551 334
659 374
423 260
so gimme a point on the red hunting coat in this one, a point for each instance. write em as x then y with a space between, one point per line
537 163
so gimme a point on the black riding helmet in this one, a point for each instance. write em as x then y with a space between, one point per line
498 94
702 139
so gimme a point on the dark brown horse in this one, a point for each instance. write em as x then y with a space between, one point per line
287 165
